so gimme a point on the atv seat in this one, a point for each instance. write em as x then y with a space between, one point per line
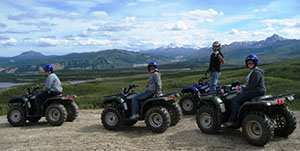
259 98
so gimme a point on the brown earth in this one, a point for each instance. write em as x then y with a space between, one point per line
87 133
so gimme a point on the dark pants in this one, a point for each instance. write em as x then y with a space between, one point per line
239 100
41 97
135 101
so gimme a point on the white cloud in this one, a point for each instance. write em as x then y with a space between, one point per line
8 41
259 10
234 31
291 22
93 42
180 25
100 14
46 42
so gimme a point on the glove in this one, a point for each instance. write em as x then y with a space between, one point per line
217 52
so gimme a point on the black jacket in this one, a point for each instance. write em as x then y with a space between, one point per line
215 63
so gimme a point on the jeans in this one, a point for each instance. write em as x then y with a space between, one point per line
135 101
239 100
41 97
214 76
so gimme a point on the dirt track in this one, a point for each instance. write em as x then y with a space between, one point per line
87 133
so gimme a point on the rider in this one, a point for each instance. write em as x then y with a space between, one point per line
255 87
52 87
216 58
154 87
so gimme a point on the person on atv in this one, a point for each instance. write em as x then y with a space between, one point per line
216 58
154 87
254 88
52 87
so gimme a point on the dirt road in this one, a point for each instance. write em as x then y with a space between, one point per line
87 133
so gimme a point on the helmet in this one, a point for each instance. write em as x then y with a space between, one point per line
48 67
216 46
252 57
152 63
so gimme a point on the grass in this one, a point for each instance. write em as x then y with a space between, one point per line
280 78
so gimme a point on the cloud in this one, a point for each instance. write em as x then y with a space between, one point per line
49 42
4 41
85 42
233 31
180 25
259 10
38 24
290 22
2 25
24 16
99 14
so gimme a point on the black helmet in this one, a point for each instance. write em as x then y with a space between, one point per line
216 46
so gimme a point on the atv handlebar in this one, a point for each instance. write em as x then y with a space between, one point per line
33 90
130 87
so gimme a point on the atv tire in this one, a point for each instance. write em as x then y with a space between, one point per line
284 120
112 119
157 119
72 110
207 119
56 114
257 128
188 104
16 116
175 113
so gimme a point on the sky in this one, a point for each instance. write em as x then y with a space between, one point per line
59 27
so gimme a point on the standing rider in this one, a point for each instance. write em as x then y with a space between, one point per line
255 87
216 58
52 87
154 87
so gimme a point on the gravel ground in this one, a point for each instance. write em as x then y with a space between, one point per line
88 133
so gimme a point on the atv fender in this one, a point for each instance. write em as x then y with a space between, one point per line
191 89
115 99
18 99
216 101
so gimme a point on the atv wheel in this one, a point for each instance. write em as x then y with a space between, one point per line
188 104
34 119
175 113
284 121
111 119
72 110
207 119
157 119
257 128
16 116
56 114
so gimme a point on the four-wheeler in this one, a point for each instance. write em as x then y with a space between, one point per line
191 95
159 112
56 109
260 118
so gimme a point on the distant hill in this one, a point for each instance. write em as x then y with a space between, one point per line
106 59
272 49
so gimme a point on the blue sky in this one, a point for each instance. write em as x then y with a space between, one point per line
58 27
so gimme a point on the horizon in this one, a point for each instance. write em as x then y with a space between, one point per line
76 26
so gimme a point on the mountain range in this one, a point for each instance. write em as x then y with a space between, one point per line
272 49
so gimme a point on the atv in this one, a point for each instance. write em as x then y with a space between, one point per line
159 112
191 95
260 118
56 109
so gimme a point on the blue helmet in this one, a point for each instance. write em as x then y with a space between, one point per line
252 57
152 63
48 67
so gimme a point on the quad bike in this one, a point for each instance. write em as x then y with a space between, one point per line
159 112
191 95
56 109
260 118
